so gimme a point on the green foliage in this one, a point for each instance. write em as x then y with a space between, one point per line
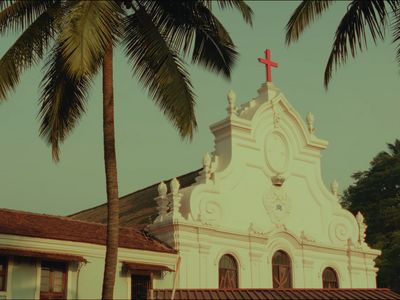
156 35
362 17
376 193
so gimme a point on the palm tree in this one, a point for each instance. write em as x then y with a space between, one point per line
78 38
351 34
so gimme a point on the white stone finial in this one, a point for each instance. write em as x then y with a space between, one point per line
174 185
359 217
206 160
232 103
334 187
162 202
362 227
162 189
310 122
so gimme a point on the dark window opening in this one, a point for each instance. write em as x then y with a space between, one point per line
3 273
281 270
53 280
141 285
228 272
329 279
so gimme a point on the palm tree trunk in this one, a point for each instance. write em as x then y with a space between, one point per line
111 177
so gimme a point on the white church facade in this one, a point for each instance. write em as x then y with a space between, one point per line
256 217
260 199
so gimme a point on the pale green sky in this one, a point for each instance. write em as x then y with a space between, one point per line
358 115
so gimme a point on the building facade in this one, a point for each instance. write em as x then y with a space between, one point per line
259 202
255 216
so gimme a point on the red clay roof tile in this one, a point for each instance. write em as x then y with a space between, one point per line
68 229
284 294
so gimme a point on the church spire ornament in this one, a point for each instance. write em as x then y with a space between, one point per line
268 65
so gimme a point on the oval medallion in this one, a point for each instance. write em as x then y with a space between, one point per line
276 152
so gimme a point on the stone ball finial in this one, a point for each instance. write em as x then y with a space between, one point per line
231 98
162 189
334 187
206 160
174 185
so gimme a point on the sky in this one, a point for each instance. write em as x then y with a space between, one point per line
358 115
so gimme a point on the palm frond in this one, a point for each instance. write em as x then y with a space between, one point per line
241 6
396 32
191 26
18 15
26 51
62 101
160 71
351 33
303 16
88 27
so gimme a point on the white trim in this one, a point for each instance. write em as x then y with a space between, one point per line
38 278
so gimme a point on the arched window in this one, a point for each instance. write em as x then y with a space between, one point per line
281 270
228 272
329 279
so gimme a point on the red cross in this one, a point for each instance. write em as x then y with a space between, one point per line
268 64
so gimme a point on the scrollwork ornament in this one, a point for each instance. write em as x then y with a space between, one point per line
210 213
339 231
277 203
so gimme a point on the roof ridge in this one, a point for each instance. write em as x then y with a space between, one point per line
137 191
65 218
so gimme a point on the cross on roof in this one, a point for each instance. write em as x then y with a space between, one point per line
268 64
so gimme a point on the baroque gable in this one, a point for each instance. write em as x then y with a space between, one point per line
262 177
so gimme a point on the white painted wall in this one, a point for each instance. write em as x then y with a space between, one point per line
83 282
235 208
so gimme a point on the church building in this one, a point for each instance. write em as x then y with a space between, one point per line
255 221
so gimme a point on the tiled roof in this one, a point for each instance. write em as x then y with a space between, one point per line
136 209
64 228
281 294
41 254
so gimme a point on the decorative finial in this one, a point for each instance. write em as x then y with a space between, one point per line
206 160
362 227
277 180
232 103
174 185
334 187
162 202
359 217
310 122
162 189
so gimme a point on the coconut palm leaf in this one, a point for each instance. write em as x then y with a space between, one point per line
62 101
18 15
160 70
396 32
351 33
88 27
306 13
240 5
191 27
27 50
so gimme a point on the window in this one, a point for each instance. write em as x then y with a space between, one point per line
228 272
281 270
329 279
3 273
141 284
53 280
